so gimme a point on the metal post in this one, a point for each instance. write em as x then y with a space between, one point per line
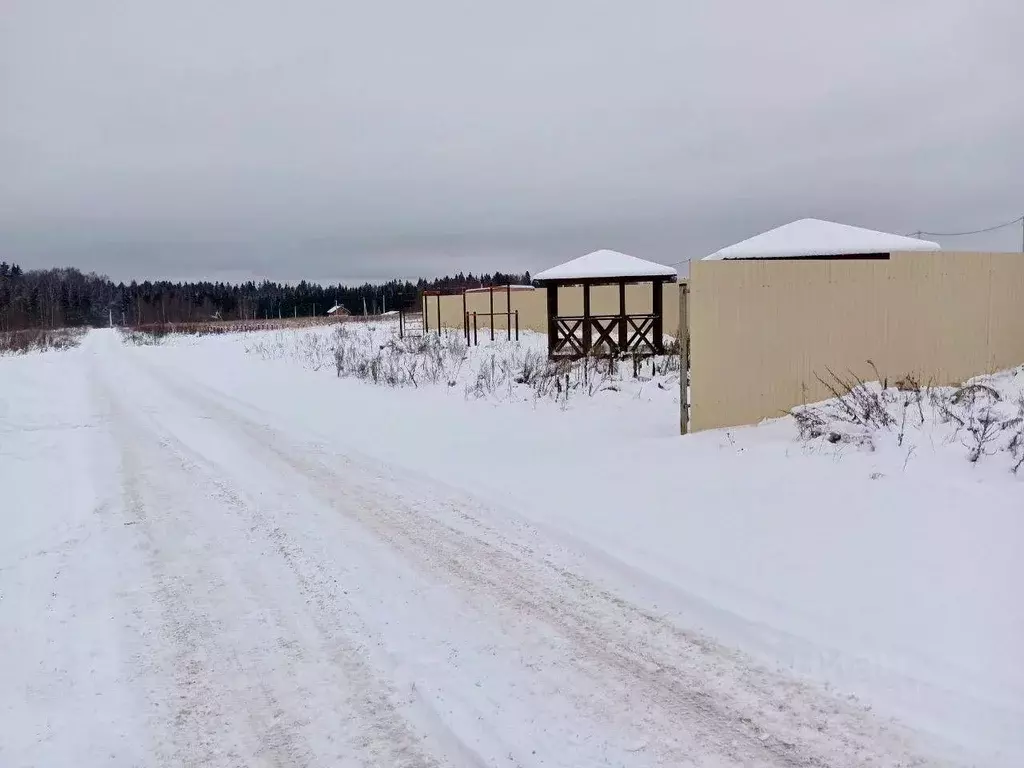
517 325
424 314
476 342
684 357
508 311
490 291
465 317
438 300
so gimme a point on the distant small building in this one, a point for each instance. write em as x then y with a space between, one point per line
337 309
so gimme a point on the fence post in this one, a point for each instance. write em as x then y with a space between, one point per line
684 357
508 311
517 325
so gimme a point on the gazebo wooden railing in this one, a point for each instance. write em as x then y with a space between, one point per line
607 334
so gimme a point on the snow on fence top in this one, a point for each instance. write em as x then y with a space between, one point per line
610 264
500 288
814 237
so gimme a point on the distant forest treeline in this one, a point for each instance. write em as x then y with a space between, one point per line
54 298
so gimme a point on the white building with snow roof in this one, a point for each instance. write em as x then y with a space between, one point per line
818 239
796 314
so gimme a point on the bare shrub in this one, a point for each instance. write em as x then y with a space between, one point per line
977 414
864 404
140 338
373 353
856 411
396 362
987 428
217 327
1016 443
40 340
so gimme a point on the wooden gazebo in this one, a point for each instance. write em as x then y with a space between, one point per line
579 335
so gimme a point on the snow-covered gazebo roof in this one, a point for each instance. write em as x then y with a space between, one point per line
606 265
814 237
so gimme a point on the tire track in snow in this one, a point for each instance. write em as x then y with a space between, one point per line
225 712
211 721
672 681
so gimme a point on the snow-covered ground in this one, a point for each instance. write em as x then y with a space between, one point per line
218 552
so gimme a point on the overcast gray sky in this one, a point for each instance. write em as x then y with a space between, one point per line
343 140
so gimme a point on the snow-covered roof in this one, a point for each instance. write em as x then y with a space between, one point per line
610 264
336 308
500 288
814 237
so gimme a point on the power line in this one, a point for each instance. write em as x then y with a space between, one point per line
994 227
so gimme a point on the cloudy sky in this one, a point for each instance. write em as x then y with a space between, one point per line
336 140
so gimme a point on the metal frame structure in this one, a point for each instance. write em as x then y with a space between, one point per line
470 318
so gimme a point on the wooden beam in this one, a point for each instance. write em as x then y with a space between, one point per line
623 330
657 309
586 319
552 290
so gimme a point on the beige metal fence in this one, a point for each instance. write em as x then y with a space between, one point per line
532 306
762 332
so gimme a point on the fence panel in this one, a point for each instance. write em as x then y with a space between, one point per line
764 331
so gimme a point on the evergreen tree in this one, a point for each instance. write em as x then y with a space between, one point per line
54 297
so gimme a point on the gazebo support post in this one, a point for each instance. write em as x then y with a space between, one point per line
623 323
552 289
657 302
586 319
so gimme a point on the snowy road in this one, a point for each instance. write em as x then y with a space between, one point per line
200 588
